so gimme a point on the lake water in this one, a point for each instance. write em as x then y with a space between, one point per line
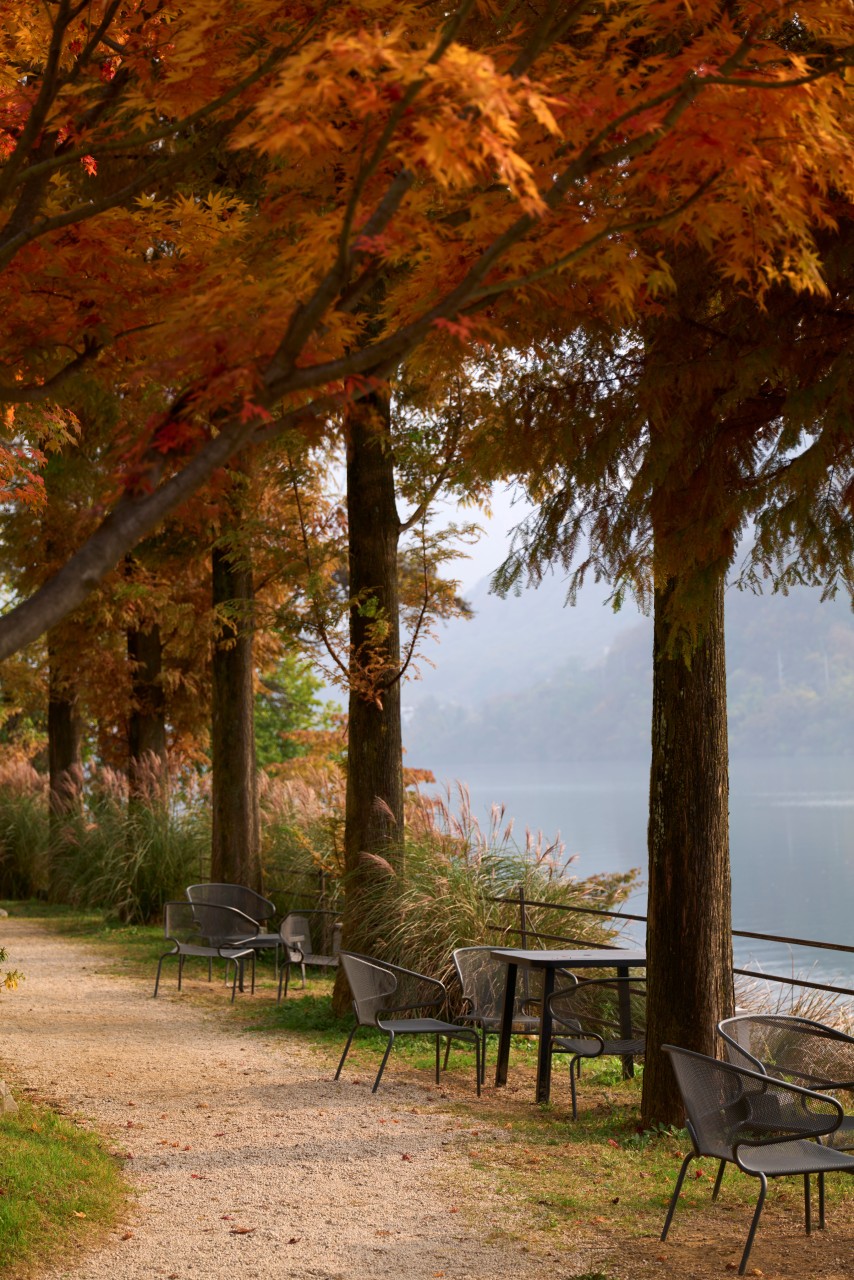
791 841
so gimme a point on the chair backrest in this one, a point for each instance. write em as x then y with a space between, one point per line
238 896
716 1096
295 931
207 924
593 1005
180 923
726 1105
372 987
789 1048
483 978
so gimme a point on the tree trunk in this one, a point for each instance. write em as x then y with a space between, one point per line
147 759
374 806
64 740
235 842
689 939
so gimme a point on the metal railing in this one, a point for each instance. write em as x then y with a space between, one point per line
526 933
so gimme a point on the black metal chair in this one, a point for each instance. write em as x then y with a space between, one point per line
482 978
298 933
209 931
765 1127
604 1017
251 904
380 989
795 1049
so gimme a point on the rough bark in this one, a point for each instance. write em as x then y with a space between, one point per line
147 756
374 807
64 739
689 940
235 841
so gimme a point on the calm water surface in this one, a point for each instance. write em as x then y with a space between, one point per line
791 835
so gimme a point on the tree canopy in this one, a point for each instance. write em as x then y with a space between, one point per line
195 203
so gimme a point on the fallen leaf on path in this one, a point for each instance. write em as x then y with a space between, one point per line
612 1143
294 1239
405 1156
242 1231
127 1235
78 1214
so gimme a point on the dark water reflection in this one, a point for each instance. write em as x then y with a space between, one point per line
791 829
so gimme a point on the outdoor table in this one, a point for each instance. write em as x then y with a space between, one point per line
548 962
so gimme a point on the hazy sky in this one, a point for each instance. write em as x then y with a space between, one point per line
485 556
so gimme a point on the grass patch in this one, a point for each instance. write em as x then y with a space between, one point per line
59 1189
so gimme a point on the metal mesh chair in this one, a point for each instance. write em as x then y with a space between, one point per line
380 989
604 1016
252 904
209 931
298 933
794 1049
758 1123
483 978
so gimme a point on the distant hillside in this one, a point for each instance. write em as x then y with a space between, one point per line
790 674
534 633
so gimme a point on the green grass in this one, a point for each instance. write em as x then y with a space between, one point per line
59 1189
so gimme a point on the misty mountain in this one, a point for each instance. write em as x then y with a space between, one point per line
529 680
532 634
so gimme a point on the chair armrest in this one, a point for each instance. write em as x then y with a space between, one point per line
781 1112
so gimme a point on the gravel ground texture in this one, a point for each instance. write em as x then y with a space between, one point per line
246 1158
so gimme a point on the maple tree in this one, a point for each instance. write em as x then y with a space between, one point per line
459 156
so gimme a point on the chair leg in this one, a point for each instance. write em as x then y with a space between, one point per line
159 965
719 1179
302 966
477 1062
755 1223
572 1065
447 1054
252 988
210 969
284 975
821 1202
483 1058
238 973
346 1050
807 1205
438 1056
672 1206
388 1049
181 960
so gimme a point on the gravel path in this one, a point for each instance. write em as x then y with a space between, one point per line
247 1159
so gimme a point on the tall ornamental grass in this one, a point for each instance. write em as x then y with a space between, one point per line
129 856
442 893
24 831
447 891
105 852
